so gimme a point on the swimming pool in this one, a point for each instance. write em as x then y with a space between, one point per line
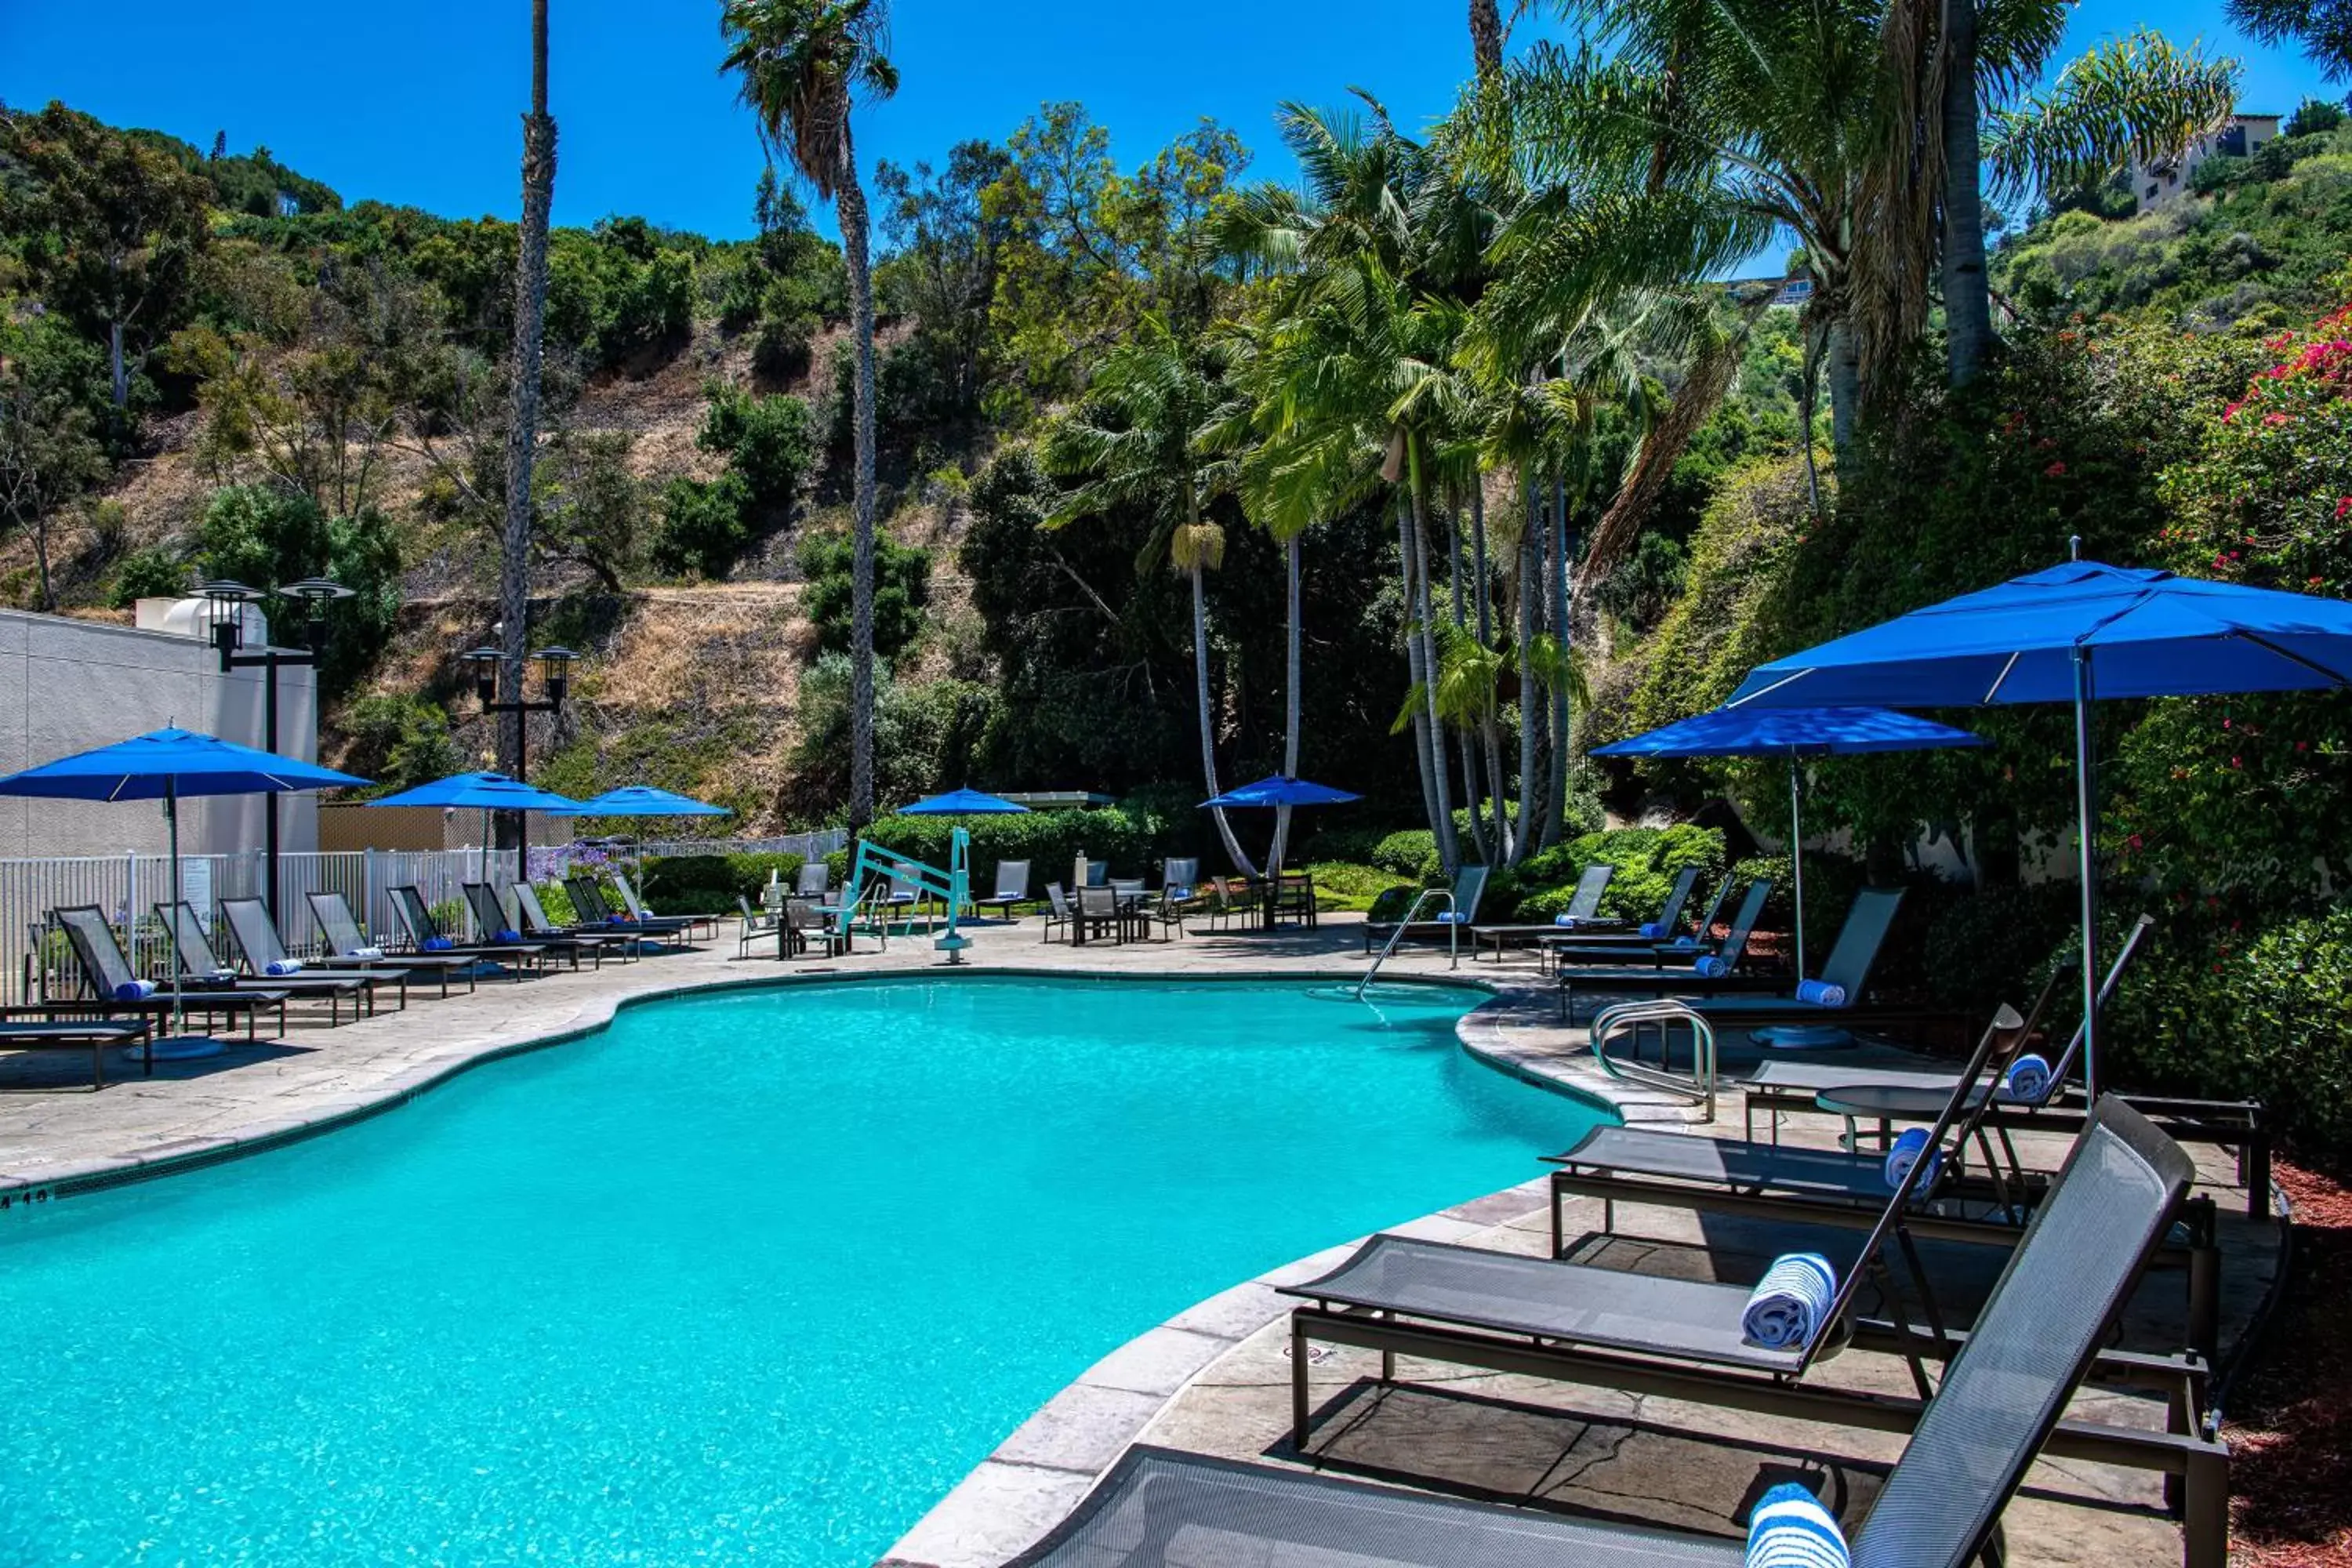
754 1274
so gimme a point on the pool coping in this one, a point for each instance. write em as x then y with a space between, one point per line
1038 1473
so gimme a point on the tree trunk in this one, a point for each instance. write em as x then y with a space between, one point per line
1470 801
1208 728
1845 386
118 371
1483 598
1530 575
1486 38
1555 817
1968 301
1449 850
849 207
1414 670
522 420
1291 699
41 559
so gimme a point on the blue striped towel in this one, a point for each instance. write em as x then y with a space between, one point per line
1653 928
2027 1079
1714 966
1903 1153
1790 1529
435 944
279 968
1451 918
1820 992
1788 1306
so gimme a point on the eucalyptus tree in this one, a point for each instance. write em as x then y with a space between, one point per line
1159 431
802 66
523 397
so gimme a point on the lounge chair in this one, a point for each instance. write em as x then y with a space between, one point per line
1653 937
1847 970
353 950
1058 916
1011 889
93 1034
532 921
2039 1333
694 925
500 924
1451 925
425 935
1583 913
592 916
1656 966
266 960
200 965
114 987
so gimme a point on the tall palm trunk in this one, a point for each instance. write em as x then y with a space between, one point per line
1556 815
1449 849
1291 699
1968 301
1486 38
849 207
1845 386
1497 790
522 421
1530 557
1208 726
1464 744
1415 670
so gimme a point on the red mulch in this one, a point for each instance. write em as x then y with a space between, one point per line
2289 1416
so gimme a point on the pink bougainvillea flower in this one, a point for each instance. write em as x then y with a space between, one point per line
2343 509
2054 471
2275 418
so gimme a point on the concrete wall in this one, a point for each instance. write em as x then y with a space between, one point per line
68 685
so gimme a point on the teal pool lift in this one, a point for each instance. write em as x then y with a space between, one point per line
951 887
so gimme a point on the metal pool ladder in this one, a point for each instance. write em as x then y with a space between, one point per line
1453 937
1629 1017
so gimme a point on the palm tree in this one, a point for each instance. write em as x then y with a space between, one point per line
802 66
1158 430
522 421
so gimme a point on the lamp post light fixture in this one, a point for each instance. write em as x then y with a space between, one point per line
225 602
554 680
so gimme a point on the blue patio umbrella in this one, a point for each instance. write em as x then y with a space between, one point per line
1794 733
963 802
2075 633
645 800
169 765
484 793
1278 790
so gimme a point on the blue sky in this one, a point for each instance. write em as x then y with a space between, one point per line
418 103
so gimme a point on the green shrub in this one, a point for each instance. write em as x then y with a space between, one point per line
1997 946
702 527
1345 885
150 574
707 884
1647 859
902 587
1133 836
1410 853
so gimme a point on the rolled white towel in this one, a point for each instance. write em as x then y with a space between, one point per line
1790 1529
2028 1079
366 955
280 967
1791 1302
1905 1153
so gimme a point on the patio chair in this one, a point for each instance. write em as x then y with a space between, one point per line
1099 911
94 1035
805 925
1615 947
1294 898
268 962
1998 1402
115 987
816 879
353 950
531 920
1058 916
496 923
757 923
1011 889
1469 887
200 965
425 935
694 925
1656 965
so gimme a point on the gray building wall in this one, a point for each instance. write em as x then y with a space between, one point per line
69 686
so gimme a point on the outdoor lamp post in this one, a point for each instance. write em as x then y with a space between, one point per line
554 680
225 604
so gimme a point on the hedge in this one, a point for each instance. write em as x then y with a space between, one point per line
1134 836
709 884
1646 860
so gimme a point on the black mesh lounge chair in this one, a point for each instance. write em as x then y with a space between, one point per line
1849 965
1011 889
425 935
106 972
92 1035
1657 966
592 914
536 927
256 935
198 961
693 925
353 950
496 923
1469 889
1999 1402
1618 947
1583 912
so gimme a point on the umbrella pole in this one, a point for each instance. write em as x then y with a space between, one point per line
2085 786
1796 859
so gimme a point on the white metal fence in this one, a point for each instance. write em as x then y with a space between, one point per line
127 889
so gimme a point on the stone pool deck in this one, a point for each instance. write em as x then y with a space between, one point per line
1216 1378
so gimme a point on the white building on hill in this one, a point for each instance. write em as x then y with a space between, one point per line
2159 185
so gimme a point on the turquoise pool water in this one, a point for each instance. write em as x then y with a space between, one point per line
751 1277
